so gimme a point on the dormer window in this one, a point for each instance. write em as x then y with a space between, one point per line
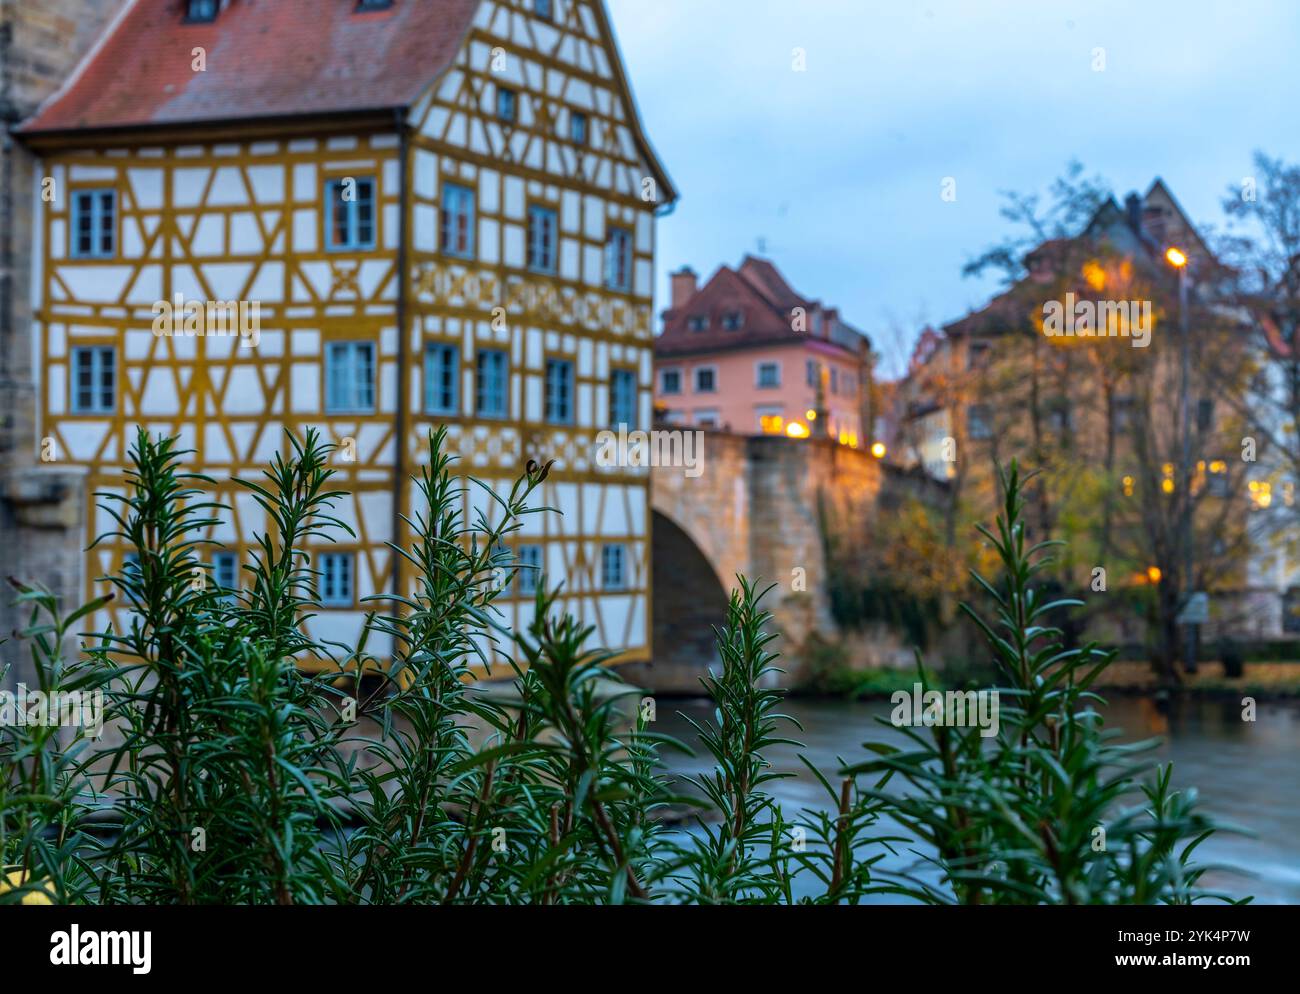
365 6
732 320
698 322
201 11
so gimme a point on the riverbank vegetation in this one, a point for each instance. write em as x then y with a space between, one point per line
230 775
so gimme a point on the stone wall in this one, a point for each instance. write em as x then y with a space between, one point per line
42 512
755 510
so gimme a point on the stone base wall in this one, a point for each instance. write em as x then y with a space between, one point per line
756 509
42 507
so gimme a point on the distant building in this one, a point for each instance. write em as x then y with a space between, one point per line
747 354
1092 409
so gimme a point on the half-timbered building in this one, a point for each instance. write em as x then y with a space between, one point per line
432 212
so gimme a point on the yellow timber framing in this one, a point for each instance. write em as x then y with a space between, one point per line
568 306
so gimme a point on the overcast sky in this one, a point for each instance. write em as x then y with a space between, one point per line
839 167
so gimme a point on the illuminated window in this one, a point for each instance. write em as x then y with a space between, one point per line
771 421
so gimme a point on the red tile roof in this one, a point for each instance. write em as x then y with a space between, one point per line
265 58
759 294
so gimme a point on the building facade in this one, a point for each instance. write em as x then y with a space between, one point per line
1101 415
747 354
435 213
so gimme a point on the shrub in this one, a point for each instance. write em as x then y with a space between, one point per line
233 776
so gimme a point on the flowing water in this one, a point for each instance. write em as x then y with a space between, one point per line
1247 773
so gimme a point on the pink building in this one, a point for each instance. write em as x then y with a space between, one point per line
746 353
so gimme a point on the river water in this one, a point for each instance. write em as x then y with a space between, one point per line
1246 773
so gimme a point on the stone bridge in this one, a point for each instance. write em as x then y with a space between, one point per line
753 511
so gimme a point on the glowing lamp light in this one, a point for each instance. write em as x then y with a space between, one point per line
1154 574
1176 257
878 450
810 414
795 429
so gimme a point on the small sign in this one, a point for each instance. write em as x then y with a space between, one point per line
1196 611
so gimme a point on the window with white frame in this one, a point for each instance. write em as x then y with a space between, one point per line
225 573
350 203
541 239
733 321
769 374
559 391
622 398
350 377
94 223
670 381
490 383
441 376
94 379
618 259
613 572
336 579
457 222
706 379
707 418
529 574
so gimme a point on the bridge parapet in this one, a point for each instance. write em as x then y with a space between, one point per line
755 509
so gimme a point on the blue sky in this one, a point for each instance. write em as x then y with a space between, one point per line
839 167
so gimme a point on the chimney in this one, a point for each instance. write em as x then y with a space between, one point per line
1133 204
683 286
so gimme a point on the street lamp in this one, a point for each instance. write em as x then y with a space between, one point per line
1177 258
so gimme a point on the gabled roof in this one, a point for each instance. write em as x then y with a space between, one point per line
262 59
269 60
759 294
1011 310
